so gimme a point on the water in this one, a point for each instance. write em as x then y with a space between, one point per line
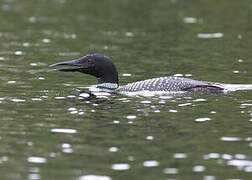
48 131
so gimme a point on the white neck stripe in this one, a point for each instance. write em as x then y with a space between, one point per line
111 86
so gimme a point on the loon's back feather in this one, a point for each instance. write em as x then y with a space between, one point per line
171 84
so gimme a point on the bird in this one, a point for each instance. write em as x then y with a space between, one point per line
103 68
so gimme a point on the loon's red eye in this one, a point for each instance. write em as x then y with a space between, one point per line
90 61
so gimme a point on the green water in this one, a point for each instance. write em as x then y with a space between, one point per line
47 132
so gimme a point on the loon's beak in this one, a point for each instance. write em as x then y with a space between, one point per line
77 62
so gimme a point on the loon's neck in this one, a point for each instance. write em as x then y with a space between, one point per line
103 85
108 77
108 86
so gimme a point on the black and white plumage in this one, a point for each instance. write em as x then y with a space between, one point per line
171 84
103 68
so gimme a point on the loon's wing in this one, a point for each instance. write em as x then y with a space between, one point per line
172 84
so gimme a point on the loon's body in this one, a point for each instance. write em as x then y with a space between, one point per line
104 69
171 84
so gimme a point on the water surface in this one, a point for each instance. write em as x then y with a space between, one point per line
48 132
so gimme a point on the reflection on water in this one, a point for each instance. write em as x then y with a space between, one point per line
120 166
213 35
36 160
94 177
170 171
68 131
150 163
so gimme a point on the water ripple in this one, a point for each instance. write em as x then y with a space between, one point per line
202 119
199 168
151 163
113 149
170 171
230 139
35 159
213 35
67 131
94 177
120 166
17 100
190 20
179 156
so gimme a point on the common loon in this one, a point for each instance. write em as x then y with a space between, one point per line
103 68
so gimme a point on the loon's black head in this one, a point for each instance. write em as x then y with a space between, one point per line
97 65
